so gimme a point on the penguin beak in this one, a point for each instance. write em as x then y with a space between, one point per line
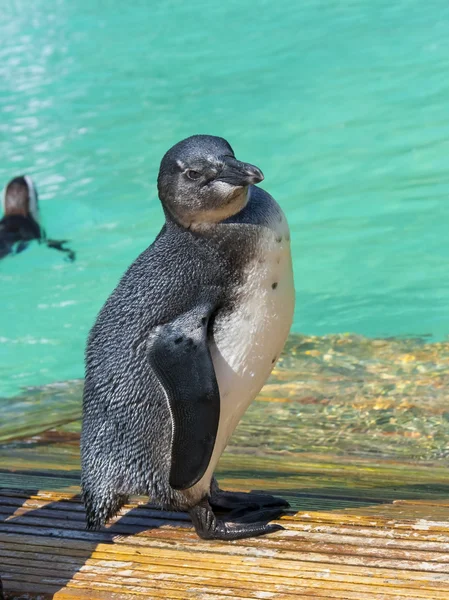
239 173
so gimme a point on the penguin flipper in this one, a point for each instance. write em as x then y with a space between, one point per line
179 355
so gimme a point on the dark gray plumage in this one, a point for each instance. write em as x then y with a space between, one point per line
152 406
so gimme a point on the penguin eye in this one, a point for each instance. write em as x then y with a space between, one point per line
191 174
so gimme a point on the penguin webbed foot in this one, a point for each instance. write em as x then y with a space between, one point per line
252 524
239 502
59 245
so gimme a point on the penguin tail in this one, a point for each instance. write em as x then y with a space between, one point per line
101 506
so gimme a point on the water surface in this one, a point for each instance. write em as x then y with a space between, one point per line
344 106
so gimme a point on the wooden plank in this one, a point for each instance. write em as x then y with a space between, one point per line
245 575
288 541
227 558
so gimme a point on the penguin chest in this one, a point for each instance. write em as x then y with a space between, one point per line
249 339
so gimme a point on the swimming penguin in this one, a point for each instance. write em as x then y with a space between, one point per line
184 344
21 224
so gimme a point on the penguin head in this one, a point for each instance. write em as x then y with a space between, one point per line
201 181
20 198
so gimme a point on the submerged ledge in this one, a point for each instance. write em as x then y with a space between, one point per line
339 394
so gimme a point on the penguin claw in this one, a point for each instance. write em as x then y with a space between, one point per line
208 527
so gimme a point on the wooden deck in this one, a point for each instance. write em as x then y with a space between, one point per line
363 525
383 535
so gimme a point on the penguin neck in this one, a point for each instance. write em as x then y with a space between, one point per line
208 221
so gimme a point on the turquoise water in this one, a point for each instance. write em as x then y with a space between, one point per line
343 105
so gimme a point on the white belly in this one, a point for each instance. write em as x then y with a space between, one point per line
250 339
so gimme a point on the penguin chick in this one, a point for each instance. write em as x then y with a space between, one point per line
184 344
21 223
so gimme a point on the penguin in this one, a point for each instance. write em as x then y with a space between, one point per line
21 222
184 344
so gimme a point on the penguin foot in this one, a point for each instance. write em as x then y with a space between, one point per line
208 527
243 515
249 501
